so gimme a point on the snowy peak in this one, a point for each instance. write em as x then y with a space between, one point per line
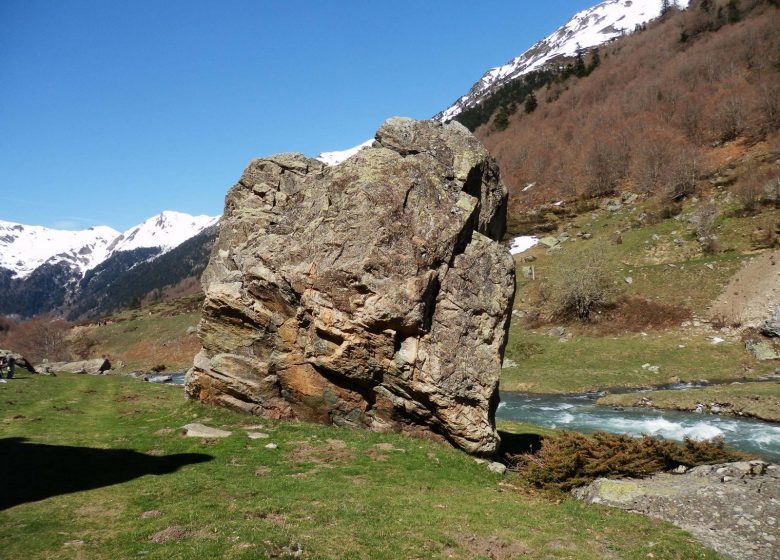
24 248
589 28
167 230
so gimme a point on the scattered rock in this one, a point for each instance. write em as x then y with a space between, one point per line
257 435
628 280
199 430
651 368
348 294
271 446
497 468
761 350
151 513
549 242
731 507
192 330
556 332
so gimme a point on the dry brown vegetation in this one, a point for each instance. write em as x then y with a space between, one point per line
647 118
41 337
571 459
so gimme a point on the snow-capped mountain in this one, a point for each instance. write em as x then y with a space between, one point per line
167 230
589 28
24 248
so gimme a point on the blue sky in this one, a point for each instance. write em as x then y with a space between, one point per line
113 111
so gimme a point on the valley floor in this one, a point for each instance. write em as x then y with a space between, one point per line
96 467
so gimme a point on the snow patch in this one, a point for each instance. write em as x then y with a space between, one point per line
334 158
522 243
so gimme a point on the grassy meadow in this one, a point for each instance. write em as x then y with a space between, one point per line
96 467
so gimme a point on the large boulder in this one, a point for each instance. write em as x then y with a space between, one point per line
20 360
95 366
374 293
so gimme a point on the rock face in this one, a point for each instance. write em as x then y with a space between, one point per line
373 293
732 507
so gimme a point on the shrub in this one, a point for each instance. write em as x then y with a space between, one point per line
580 286
571 459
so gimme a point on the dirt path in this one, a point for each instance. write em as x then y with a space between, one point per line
753 294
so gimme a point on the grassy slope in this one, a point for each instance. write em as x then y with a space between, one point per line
545 364
758 400
591 361
337 500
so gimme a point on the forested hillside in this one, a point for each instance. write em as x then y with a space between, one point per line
666 107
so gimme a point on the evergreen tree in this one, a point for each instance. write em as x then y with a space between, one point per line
666 5
579 63
732 11
530 103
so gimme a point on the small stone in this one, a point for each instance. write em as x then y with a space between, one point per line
681 469
199 430
628 280
497 468
151 513
257 435
271 446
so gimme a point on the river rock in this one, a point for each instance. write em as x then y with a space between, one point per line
374 293
732 507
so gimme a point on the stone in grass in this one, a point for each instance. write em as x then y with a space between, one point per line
257 435
271 446
199 430
151 513
497 468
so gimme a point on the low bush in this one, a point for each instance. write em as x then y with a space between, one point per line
571 459
580 286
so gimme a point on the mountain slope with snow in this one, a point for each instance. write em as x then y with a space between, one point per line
589 28
167 230
24 248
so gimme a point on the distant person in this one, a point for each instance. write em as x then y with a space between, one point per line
11 361
3 365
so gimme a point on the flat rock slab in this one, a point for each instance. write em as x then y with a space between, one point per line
201 430
257 435
732 507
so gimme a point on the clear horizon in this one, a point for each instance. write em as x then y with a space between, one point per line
113 113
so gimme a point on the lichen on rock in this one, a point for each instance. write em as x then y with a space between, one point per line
374 293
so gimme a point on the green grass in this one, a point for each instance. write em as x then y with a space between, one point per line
545 364
757 400
344 498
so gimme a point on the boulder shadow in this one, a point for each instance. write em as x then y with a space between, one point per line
35 471
519 444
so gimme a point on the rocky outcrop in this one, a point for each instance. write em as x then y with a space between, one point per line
733 507
96 366
20 360
374 293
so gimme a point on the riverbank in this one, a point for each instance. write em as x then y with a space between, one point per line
581 413
750 400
